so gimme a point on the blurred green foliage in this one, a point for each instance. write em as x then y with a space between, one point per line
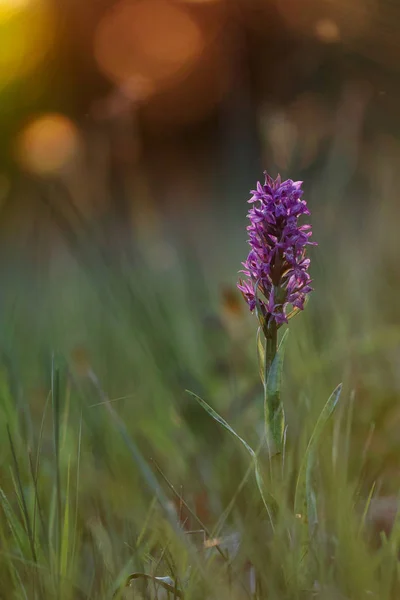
109 468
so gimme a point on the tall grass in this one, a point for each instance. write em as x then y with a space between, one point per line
113 476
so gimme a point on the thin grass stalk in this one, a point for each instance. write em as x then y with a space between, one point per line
55 396
22 497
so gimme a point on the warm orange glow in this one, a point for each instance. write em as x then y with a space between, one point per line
26 33
147 43
48 144
327 31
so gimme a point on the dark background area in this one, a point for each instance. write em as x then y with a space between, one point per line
198 95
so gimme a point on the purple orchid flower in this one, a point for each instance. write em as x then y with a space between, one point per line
276 268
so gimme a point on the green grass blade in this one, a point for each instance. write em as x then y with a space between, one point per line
259 479
222 422
78 471
263 492
16 528
21 496
103 543
308 458
366 509
56 403
312 512
148 475
65 543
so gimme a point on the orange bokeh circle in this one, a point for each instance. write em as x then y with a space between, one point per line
151 41
48 144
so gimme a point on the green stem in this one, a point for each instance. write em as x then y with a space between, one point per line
272 405
271 346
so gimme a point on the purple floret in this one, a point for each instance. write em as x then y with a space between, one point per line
276 268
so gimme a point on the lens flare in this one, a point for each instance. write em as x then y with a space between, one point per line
150 41
48 144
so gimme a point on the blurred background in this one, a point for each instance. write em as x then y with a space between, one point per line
131 133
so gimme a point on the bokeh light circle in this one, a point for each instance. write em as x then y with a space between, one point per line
150 41
327 31
48 144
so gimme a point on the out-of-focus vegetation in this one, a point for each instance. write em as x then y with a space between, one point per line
132 136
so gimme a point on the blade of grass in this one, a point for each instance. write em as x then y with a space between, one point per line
305 504
257 472
21 497
300 496
55 398
13 522
147 473
190 511
35 473
222 422
36 501
366 509
78 470
146 523
65 545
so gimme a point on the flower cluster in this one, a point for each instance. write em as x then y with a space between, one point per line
276 267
